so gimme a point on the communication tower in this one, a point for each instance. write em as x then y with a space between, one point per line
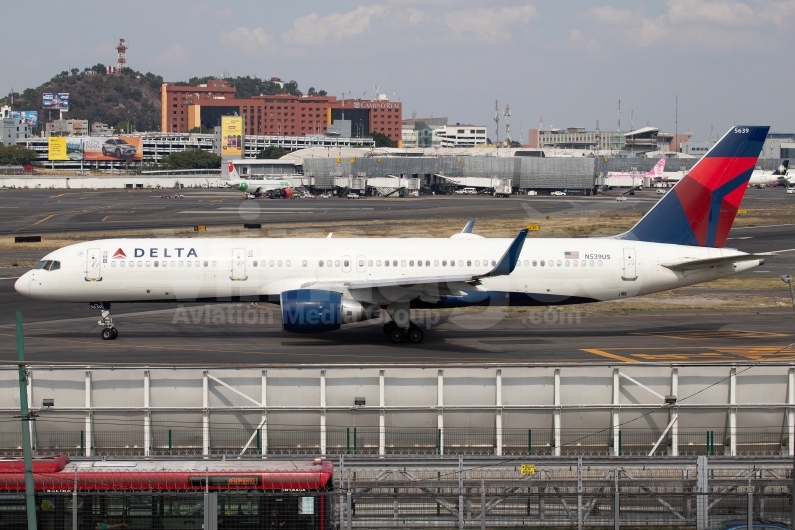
121 62
496 122
507 114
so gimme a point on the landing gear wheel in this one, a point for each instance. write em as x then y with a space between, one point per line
397 335
108 334
388 327
115 333
415 335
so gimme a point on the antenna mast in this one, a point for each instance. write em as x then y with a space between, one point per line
619 115
121 61
496 122
507 115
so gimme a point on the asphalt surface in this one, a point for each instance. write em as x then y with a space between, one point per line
168 334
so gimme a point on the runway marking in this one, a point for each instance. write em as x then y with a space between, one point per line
761 226
200 212
702 334
56 196
610 355
103 219
681 356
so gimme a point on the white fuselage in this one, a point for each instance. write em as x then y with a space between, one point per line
550 271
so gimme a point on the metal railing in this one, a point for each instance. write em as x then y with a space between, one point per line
399 441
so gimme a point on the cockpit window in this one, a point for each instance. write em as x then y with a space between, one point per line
48 265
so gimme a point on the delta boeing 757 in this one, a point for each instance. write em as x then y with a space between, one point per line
322 284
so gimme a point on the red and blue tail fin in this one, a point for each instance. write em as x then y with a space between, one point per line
700 209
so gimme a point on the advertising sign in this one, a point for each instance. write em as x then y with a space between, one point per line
31 117
59 101
56 148
113 148
231 136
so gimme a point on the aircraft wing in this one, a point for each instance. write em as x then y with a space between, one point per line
712 262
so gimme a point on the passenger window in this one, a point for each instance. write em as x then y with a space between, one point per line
328 263
386 263
542 263
303 263
583 263
493 263
147 264
460 263
157 263
436 263
279 263
452 263
370 263
518 263
361 263
419 263
198 263
526 263
567 263
172 263
427 263
378 263
590 263
287 263
599 263
320 263
337 263
394 263
411 263
190 264
551 263
346 263
403 263
559 263
112 263
444 263
575 263
477 263
535 263
206 263
121 264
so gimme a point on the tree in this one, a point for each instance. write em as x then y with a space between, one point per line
192 159
514 143
322 92
16 155
382 140
272 152
201 130
311 91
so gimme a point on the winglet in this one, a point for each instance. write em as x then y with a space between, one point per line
468 228
507 263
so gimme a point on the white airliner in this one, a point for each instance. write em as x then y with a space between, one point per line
254 188
324 283
759 178
655 173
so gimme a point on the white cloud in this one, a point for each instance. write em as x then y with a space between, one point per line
715 24
177 54
488 24
248 40
312 30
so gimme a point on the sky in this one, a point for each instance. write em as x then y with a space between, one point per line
566 62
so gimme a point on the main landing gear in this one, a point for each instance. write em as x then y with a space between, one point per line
109 332
396 335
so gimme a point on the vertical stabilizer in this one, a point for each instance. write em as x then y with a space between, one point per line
701 208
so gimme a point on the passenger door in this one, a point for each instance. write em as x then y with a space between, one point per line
630 269
239 265
93 265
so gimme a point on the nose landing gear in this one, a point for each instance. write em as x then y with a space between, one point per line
109 332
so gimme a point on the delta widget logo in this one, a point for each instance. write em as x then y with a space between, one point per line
119 254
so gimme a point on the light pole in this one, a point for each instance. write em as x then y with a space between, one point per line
787 278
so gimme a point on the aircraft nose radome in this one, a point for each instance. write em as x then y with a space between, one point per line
22 285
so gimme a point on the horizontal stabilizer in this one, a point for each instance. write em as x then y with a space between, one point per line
712 262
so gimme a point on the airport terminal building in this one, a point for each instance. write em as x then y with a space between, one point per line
186 107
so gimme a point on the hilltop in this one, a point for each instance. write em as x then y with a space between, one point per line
116 98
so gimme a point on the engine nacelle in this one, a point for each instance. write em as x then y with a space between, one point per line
318 311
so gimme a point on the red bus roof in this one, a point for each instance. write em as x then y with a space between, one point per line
57 473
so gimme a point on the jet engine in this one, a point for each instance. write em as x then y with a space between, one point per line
318 311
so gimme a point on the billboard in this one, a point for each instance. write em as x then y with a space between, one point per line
59 101
231 136
31 117
113 148
56 148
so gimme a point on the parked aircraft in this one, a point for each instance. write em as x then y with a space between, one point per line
322 284
655 172
759 178
254 188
